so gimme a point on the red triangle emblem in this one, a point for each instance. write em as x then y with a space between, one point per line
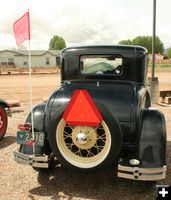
82 111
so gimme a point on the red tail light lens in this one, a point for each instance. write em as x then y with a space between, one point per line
27 127
24 127
21 127
30 143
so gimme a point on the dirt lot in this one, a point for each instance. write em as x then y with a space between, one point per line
21 182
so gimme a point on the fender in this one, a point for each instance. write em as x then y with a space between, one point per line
38 117
152 144
4 103
148 99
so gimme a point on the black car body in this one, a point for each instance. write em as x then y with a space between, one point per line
131 136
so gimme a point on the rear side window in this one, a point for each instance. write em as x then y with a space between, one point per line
101 65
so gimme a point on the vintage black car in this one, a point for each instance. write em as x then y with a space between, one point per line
99 117
3 118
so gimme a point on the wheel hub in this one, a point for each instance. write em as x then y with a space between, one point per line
84 137
81 138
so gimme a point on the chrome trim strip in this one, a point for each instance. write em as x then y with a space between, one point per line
142 177
40 165
40 159
33 160
25 162
141 170
24 156
145 174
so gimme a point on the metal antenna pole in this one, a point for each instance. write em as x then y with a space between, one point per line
154 84
31 101
153 39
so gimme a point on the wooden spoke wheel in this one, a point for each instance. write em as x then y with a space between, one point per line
83 146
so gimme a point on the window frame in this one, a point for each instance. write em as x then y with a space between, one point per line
101 75
47 61
10 60
25 63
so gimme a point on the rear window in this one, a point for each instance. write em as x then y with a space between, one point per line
101 64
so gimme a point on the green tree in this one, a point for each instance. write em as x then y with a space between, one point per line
125 42
57 43
145 41
168 53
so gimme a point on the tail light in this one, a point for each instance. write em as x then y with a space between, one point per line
21 127
30 143
27 127
24 127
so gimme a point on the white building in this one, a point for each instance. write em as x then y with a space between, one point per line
157 56
20 58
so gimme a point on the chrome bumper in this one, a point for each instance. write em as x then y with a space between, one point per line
143 174
33 160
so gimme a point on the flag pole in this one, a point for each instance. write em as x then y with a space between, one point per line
21 29
31 97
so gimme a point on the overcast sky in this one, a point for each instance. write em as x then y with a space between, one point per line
84 21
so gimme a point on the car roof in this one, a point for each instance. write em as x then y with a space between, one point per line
128 48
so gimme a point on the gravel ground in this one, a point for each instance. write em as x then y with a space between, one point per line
19 182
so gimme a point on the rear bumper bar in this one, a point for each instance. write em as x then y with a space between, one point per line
134 173
144 174
36 161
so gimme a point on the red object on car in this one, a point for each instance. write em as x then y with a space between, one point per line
30 143
27 127
3 121
21 127
22 29
82 111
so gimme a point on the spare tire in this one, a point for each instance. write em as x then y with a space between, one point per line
86 148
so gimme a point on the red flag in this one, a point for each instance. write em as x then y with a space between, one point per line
22 29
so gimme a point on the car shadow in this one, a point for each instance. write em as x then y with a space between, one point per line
7 141
60 183
96 186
